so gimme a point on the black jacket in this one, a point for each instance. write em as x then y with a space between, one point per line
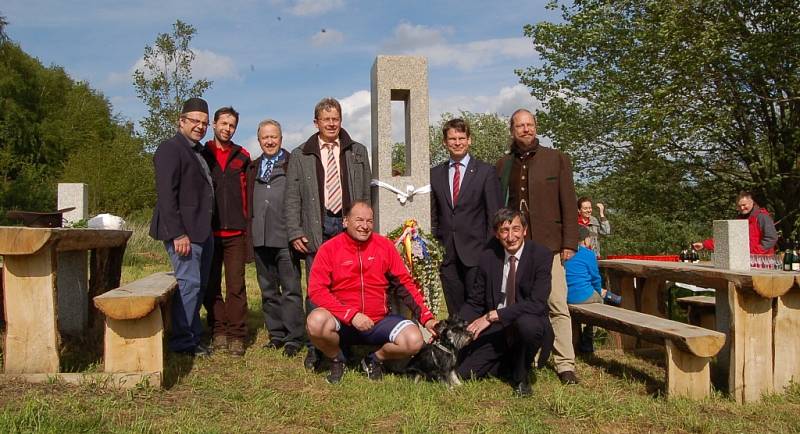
229 186
184 193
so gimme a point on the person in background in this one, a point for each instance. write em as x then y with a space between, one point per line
584 284
228 163
596 227
277 265
763 235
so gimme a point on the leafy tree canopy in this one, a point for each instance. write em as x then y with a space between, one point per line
711 88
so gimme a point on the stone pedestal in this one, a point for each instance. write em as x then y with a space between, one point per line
73 266
731 244
400 78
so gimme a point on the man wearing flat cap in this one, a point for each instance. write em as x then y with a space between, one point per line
182 220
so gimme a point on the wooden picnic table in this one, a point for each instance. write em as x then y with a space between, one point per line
758 310
30 259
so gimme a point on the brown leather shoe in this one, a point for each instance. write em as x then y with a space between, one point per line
219 343
236 347
568 377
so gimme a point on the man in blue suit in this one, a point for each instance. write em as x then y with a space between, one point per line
465 195
182 220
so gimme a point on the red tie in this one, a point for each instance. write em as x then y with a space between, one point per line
456 182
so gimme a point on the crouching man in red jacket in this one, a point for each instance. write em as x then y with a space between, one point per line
350 282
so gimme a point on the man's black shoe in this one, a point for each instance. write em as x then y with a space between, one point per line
199 351
373 367
273 344
337 372
568 377
523 389
291 350
313 357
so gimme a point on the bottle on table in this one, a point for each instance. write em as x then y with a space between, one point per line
787 259
795 258
683 257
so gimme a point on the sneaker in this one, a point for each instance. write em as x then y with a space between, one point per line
236 348
291 350
337 372
219 343
313 357
612 299
568 377
373 367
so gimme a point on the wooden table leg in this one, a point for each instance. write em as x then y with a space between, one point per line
625 286
105 270
750 362
786 339
32 340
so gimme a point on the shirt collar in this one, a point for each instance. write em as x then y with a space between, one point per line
518 255
464 161
322 143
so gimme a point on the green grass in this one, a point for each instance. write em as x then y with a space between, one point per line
266 392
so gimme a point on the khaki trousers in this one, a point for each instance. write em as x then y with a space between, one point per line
563 351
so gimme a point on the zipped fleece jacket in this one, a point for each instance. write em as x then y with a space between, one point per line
349 276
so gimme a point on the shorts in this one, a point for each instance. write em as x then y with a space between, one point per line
385 330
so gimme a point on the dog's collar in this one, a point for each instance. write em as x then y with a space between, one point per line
443 348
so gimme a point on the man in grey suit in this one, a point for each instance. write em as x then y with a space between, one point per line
465 194
326 174
278 267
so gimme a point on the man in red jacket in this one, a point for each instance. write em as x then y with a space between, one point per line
350 282
762 233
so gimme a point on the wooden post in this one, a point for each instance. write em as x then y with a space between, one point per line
32 340
688 375
751 345
106 268
786 339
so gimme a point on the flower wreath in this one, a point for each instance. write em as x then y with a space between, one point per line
422 255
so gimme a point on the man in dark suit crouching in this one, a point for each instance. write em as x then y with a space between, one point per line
182 220
507 306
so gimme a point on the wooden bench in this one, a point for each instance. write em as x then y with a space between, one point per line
134 328
688 348
701 310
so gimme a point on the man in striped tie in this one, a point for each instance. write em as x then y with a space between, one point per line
326 174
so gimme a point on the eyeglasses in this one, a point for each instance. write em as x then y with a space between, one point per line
196 121
329 120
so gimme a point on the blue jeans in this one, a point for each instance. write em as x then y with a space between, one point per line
191 272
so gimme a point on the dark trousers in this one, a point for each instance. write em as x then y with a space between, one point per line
457 278
191 273
227 317
507 353
281 295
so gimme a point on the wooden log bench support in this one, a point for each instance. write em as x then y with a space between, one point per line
689 349
134 326
701 310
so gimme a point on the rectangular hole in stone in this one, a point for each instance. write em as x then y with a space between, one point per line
401 134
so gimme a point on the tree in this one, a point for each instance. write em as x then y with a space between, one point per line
3 34
489 133
712 86
165 82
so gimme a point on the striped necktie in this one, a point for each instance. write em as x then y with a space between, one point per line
333 185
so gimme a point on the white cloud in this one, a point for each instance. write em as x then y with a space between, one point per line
315 7
327 37
207 64
357 116
504 102
431 42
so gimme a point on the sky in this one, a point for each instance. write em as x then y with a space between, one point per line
278 58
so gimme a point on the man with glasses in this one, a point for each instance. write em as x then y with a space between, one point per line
182 220
538 181
326 174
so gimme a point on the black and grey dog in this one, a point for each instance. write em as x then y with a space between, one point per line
437 360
